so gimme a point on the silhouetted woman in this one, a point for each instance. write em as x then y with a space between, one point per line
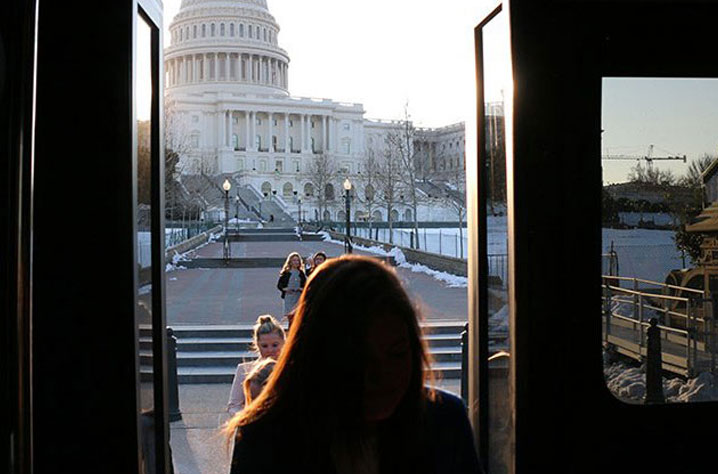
347 394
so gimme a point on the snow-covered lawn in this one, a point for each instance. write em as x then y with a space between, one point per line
643 253
629 384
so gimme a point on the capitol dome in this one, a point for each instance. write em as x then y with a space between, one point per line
226 45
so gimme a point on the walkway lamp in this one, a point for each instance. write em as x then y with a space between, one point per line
226 186
347 205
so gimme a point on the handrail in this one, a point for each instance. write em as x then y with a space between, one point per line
651 282
643 293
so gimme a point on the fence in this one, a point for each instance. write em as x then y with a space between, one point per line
442 241
173 236
687 329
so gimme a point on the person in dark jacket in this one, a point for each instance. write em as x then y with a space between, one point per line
291 281
351 392
317 259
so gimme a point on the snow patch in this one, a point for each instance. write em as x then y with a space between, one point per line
630 383
452 281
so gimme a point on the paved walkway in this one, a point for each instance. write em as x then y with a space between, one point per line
239 295
198 446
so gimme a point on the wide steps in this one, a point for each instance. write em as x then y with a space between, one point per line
210 354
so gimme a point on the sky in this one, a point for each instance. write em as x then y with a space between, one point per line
676 116
383 54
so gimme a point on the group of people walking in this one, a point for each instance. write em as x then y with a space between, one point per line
294 275
348 389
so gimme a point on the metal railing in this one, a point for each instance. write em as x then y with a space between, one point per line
689 334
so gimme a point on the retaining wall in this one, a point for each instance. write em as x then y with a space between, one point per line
189 244
442 263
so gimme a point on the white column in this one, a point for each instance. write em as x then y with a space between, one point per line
324 133
206 67
269 132
226 66
250 69
216 67
302 146
286 133
254 131
229 128
247 118
222 125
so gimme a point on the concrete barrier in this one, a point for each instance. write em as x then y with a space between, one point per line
190 244
441 263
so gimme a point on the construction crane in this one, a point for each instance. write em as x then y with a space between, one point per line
648 157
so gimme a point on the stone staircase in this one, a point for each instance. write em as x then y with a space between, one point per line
210 354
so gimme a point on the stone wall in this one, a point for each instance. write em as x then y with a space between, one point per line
442 263
189 244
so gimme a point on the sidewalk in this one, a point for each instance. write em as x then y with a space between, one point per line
239 295
198 446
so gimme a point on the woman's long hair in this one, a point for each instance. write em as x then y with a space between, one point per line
287 266
315 392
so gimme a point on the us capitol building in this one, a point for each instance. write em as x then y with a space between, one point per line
227 91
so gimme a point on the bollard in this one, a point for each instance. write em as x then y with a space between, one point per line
654 381
465 363
173 408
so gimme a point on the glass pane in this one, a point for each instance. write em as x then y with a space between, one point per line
143 103
497 87
659 238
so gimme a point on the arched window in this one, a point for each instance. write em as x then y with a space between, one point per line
407 215
204 30
258 142
327 216
221 29
212 29
266 188
194 31
394 215
287 189
341 216
329 192
241 30
231 29
369 192
249 31
271 38
346 146
309 189
186 33
265 34
376 216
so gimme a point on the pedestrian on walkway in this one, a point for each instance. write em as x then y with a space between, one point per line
317 259
348 393
267 340
291 281
257 379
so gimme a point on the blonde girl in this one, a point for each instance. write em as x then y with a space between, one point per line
291 281
267 341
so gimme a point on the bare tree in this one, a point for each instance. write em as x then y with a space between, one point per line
401 143
389 180
370 182
651 175
454 197
321 173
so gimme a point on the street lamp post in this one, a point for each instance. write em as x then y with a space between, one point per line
226 186
347 205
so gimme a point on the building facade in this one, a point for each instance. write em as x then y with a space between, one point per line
231 114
